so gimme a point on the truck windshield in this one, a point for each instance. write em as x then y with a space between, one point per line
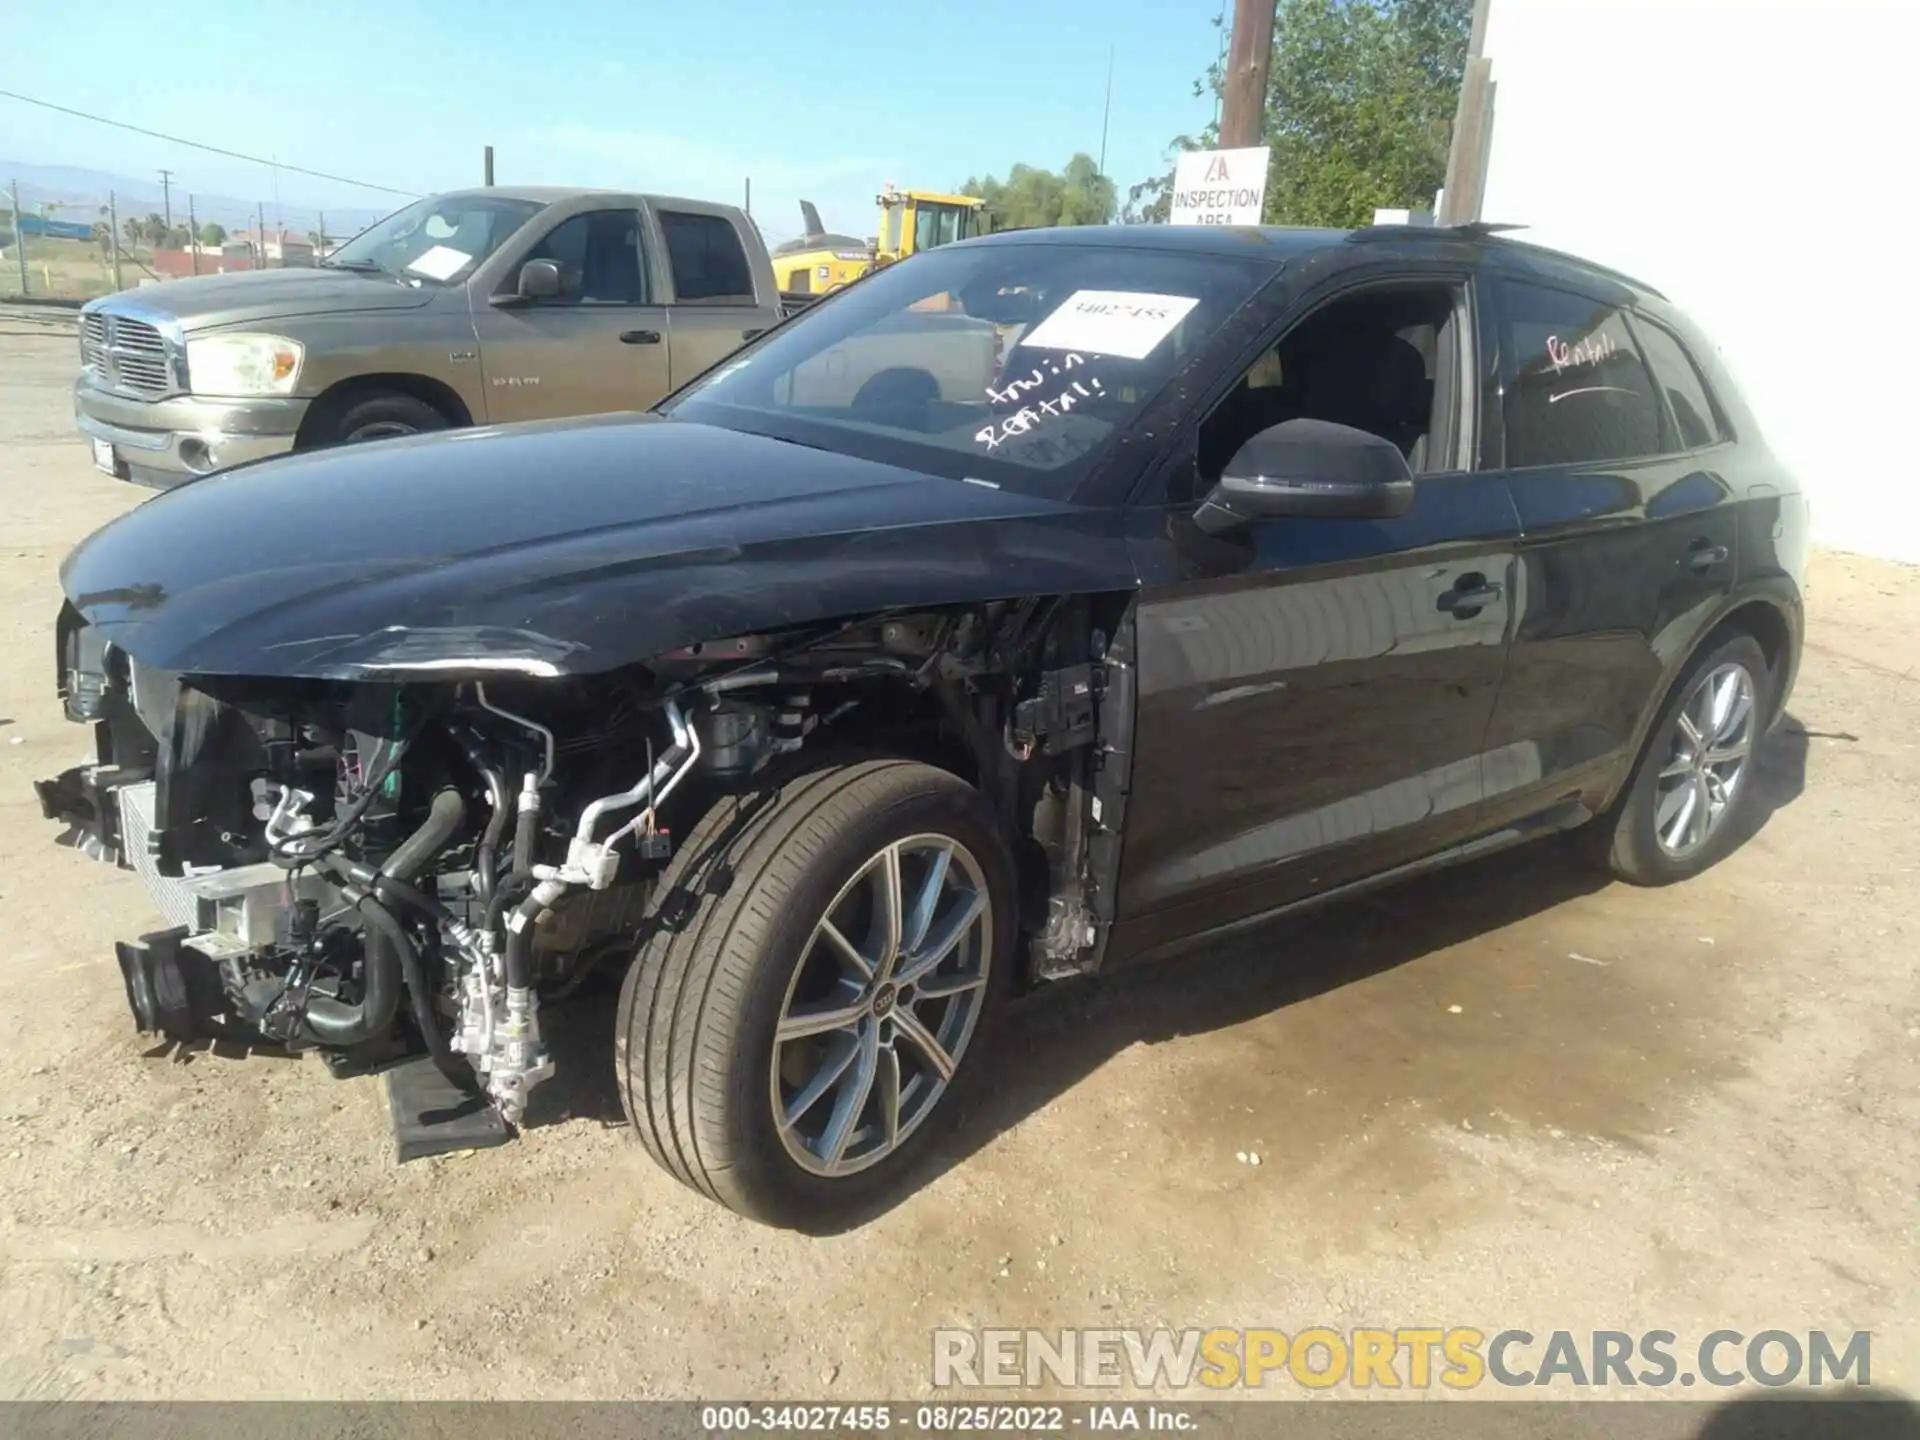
439 239
1014 363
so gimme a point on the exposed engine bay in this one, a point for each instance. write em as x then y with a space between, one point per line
388 868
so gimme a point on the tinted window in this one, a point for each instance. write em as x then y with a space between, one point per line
1577 390
599 258
1694 416
707 259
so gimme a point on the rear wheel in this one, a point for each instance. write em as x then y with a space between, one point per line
1684 807
830 960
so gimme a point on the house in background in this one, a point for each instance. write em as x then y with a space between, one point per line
1752 162
277 247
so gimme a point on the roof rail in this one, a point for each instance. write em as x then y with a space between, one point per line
1469 230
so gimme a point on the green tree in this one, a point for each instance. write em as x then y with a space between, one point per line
1359 115
1030 197
212 234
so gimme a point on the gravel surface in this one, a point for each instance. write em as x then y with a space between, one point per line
1512 1095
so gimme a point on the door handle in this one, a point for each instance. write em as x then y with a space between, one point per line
1471 594
1703 555
639 337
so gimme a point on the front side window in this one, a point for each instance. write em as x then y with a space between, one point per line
599 258
708 262
1008 363
1379 360
1577 390
1695 417
437 241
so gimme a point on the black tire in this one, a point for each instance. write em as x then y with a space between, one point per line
382 415
1628 833
694 1034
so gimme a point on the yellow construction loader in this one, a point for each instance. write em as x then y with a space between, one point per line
910 220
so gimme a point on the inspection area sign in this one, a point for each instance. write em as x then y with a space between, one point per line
1220 187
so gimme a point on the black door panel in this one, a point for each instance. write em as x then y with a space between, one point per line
1620 575
1629 540
1313 700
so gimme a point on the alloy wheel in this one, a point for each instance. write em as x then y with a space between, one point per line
1711 749
882 1005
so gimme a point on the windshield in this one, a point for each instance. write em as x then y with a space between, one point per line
1009 363
440 238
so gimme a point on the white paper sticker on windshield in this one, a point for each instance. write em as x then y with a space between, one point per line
1111 322
442 262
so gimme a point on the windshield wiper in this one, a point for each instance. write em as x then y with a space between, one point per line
359 267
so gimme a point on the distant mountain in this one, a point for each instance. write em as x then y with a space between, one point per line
76 190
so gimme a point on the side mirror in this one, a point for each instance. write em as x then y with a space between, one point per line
539 280
1308 469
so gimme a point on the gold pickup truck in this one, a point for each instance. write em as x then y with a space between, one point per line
470 308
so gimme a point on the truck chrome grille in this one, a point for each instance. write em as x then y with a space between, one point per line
171 897
128 356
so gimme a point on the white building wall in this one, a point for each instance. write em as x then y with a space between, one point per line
1758 162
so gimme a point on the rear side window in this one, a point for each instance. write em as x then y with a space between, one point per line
708 260
1695 417
1577 389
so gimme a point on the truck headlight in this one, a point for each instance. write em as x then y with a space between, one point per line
244 364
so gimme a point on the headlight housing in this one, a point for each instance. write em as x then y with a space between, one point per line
244 364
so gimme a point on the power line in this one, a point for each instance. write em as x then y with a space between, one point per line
197 145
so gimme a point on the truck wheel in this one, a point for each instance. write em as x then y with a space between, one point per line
1681 811
382 416
828 961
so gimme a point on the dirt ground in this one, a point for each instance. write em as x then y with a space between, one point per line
1512 1095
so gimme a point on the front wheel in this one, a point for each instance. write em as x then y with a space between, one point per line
1683 809
828 961
382 415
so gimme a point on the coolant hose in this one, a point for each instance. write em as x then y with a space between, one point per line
334 1022
419 995
444 818
387 950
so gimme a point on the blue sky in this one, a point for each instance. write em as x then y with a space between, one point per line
822 101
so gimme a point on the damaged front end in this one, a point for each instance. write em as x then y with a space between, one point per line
397 871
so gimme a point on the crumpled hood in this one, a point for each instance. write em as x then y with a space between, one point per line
564 547
204 302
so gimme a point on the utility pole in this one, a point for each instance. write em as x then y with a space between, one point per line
193 236
487 166
1243 118
166 196
749 204
1106 112
113 229
19 239
322 245
1466 182
260 234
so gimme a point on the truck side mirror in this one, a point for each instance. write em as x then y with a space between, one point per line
539 280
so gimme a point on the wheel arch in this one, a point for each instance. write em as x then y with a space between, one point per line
1772 618
336 398
955 710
